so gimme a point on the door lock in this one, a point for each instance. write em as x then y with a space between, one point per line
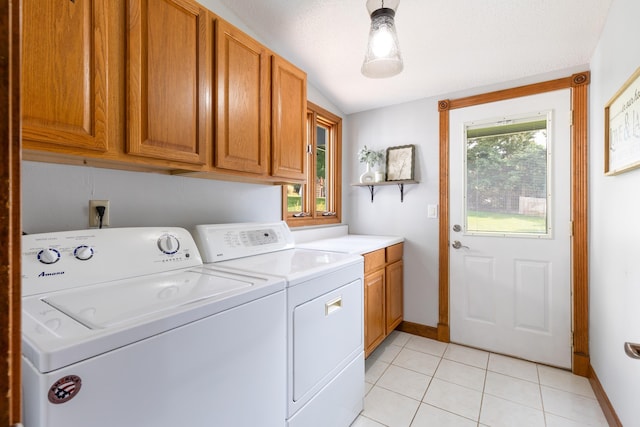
632 350
457 245
457 228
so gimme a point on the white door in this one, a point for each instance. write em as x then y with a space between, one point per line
510 254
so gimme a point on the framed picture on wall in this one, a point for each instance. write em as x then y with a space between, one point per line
622 128
400 163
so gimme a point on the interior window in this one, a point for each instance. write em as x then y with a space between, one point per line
507 176
317 201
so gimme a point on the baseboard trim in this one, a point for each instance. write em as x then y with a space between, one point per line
581 364
418 329
603 399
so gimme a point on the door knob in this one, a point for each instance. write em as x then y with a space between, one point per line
457 245
632 350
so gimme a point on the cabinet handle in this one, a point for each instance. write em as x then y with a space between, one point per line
333 305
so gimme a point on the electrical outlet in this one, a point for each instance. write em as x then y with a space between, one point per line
94 218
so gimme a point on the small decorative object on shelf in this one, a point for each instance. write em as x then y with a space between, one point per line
400 163
371 158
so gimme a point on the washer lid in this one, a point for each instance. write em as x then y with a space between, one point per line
68 326
112 304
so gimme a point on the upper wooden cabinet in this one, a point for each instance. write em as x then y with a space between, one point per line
243 102
69 95
288 121
162 85
168 80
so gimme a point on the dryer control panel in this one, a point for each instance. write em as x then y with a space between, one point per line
222 242
70 259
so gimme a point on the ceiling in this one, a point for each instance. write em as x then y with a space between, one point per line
447 45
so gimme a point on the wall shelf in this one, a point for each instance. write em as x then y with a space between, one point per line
400 184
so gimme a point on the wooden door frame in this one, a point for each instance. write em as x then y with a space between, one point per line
10 277
578 83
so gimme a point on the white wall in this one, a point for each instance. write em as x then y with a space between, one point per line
56 198
410 123
614 223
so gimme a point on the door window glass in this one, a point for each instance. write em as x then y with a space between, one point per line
507 176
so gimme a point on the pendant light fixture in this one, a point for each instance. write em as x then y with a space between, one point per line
382 58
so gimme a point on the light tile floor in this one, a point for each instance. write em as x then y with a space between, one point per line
418 382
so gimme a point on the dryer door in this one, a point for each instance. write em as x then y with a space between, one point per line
327 332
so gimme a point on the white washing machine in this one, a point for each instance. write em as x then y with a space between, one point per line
325 358
123 327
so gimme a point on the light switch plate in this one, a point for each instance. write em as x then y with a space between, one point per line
432 211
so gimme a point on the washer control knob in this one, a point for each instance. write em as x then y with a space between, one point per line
49 256
168 244
83 252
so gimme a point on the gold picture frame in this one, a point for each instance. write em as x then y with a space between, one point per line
622 128
401 163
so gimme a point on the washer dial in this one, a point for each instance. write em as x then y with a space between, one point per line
168 244
49 256
83 252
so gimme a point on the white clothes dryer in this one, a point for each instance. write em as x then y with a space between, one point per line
325 357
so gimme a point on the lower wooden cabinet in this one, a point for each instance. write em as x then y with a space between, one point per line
374 314
383 294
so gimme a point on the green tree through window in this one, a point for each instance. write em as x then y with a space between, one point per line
506 181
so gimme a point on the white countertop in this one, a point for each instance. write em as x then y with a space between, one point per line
352 243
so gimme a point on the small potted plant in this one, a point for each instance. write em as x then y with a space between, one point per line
371 158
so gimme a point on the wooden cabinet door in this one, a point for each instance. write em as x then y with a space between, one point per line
168 81
67 78
243 102
393 290
374 310
288 120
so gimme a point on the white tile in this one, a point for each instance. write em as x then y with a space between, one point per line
565 380
514 389
398 338
430 416
362 421
417 361
409 383
385 352
367 387
466 355
454 398
513 367
572 406
461 374
389 408
498 412
556 421
426 345
373 369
